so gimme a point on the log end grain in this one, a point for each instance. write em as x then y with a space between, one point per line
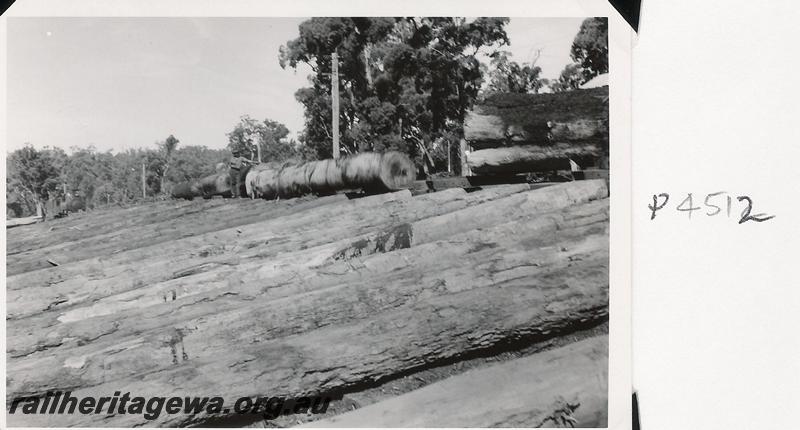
397 171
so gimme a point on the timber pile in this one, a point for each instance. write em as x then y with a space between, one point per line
520 133
311 296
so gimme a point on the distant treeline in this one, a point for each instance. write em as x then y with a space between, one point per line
100 178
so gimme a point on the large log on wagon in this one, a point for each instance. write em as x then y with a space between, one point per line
511 284
518 133
562 387
218 184
532 158
371 171
186 190
536 119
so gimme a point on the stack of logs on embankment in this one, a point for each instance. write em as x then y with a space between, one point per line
519 133
308 296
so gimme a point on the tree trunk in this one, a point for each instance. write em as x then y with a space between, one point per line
532 158
164 179
562 387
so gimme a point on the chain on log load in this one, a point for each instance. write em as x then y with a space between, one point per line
520 133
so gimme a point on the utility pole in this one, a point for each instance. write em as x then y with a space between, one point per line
335 102
257 139
449 162
144 186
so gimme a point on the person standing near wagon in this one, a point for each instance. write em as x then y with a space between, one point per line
237 164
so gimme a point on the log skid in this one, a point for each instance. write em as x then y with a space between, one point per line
321 295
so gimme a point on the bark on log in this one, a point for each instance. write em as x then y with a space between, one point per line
389 171
65 286
563 387
539 119
358 333
532 158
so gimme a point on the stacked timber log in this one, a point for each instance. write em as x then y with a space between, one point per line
315 297
117 235
557 388
520 133
370 171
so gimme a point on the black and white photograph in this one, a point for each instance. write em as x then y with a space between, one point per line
315 221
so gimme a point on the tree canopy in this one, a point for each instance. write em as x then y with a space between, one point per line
507 76
570 78
248 134
590 47
404 82
33 175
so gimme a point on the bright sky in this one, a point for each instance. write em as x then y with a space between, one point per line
119 83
